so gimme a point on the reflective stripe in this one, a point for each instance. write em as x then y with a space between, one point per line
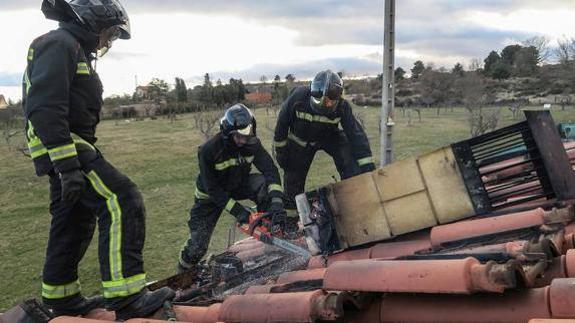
230 205
62 152
277 200
60 291
30 54
83 69
27 80
201 195
297 140
275 187
279 144
233 162
124 287
365 161
37 149
316 118
115 238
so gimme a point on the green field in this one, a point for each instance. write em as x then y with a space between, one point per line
160 157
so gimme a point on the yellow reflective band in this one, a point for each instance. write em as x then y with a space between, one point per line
60 291
35 146
27 80
124 287
201 195
297 140
230 205
365 161
233 162
30 54
316 118
83 69
279 144
115 238
277 200
275 187
62 152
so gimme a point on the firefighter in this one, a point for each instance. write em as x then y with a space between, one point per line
309 121
225 177
62 97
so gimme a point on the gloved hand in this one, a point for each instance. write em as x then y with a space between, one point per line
242 214
281 155
278 217
73 185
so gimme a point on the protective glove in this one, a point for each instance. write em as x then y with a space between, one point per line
281 155
278 217
73 185
241 213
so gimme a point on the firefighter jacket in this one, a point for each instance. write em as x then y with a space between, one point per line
299 123
223 167
62 98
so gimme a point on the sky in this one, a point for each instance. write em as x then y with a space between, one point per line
250 38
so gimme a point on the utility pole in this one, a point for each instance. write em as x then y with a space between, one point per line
388 86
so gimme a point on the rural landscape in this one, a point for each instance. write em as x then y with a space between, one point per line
474 215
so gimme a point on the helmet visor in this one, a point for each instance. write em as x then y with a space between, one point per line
332 91
107 38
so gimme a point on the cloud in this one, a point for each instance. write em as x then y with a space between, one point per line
10 79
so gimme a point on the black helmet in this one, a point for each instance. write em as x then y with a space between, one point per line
238 119
95 15
326 84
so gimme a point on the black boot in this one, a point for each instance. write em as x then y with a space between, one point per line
76 305
142 304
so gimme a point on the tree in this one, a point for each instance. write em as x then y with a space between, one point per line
472 90
159 89
418 68
541 44
457 70
181 90
526 60
475 65
290 78
490 61
263 79
399 74
565 51
509 52
277 79
500 70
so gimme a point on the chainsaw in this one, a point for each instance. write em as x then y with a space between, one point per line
260 228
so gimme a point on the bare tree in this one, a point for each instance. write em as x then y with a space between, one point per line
11 124
207 121
541 44
472 90
565 51
475 64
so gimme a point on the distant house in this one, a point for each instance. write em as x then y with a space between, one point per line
144 92
139 110
259 97
3 103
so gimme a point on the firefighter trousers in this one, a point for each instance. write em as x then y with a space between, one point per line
205 214
112 201
301 157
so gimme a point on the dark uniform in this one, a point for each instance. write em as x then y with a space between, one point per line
224 179
62 103
301 131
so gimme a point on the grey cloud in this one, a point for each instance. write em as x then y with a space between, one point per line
350 66
10 79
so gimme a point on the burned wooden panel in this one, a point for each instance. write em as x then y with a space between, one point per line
398 179
410 213
445 186
358 214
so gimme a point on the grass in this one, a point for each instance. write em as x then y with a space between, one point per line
160 157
